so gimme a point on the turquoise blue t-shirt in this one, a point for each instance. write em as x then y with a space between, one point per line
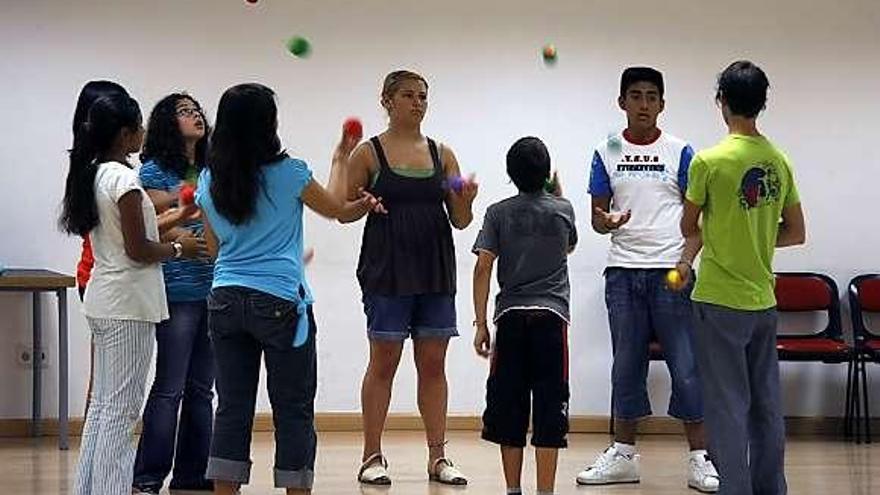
185 280
265 252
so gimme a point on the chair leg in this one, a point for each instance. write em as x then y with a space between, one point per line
866 400
847 415
857 406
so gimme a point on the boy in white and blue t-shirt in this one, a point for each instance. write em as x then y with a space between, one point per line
637 182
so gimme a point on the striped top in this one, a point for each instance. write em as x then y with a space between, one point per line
185 280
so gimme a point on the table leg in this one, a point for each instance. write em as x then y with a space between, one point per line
62 371
36 363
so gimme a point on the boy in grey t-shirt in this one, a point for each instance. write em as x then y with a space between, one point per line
530 235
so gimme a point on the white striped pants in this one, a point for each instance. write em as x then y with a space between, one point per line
123 351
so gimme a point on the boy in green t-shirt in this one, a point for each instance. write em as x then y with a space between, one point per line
742 187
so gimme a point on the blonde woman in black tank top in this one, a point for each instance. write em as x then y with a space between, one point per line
407 268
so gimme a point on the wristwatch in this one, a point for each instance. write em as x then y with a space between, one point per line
178 249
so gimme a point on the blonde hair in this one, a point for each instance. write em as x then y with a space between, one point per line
394 79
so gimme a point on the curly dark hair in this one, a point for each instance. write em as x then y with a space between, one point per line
164 142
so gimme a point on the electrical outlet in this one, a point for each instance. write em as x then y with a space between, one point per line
24 356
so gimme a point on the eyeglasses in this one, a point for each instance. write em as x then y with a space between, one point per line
190 112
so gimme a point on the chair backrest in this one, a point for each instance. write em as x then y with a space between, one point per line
864 296
803 292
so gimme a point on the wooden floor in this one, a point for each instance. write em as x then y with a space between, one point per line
814 466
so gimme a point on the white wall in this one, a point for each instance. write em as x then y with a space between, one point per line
488 87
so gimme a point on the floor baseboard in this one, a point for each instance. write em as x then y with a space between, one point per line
350 422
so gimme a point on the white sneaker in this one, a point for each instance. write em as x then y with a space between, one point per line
702 475
611 467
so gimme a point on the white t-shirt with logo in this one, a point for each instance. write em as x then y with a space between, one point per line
121 288
650 180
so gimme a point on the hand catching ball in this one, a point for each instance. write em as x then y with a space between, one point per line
352 127
674 280
187 195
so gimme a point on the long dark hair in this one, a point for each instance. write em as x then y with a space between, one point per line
107 116
245 138
88 94
164 142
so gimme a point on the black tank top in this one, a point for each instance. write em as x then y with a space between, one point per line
408 251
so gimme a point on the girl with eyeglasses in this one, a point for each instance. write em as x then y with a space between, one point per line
178 417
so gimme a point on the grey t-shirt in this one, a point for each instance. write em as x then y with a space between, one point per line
531 234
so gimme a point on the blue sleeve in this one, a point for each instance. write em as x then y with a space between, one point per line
203 185
153 177
600 183
687 154
301 176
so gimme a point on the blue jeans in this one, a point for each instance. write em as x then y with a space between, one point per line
184 373
640 305
247 325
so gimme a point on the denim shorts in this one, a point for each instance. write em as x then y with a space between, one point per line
419 316
641 307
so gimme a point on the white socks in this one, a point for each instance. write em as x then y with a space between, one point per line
699 453
625 449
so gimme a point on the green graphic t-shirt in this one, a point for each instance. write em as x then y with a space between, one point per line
742 185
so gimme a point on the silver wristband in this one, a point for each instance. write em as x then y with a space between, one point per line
178 249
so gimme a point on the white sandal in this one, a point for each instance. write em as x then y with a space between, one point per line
443 471
374 471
